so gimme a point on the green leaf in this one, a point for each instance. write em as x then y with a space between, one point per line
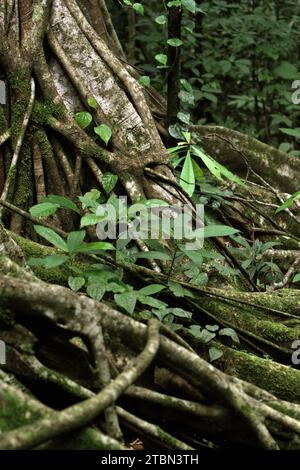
174 3
215 354
126 301
195 256
174 42
84 119
212 328
297 278
184 117
76 283
187 176
207 336
94 247
289 202
144 80
292 132
187 136
178 290
51 236
44 209
90 219
96 291
104 132
180 313
92 103
54 261
139 8
75 239
218 231
63 202
286 70
161 58
109 181
162 19
152 289
196 331
36 262
231 333
189 5
186 85
214 167
147 300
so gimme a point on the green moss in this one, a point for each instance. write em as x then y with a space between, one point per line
277 332
35 250
280 380
24 190
20 88
14 414
42 112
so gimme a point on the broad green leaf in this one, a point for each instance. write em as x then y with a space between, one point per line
218 170
51 236
289 202
76 283
94 194
218 231
63 202
212 328
231 333
139 8
96 291
174 42
109 181
162 19
90 219
198 172
187 176
292 132
186 85
195 256
187 136
190 5
145 80
36 262
207 336
84 119
147 300
161 58
94 247
44 209
297 278
286 70
152 289
92 103
104 132
214 354
184 117
180 313
196 331
54 261
126 301
75 239
178 290
174 3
